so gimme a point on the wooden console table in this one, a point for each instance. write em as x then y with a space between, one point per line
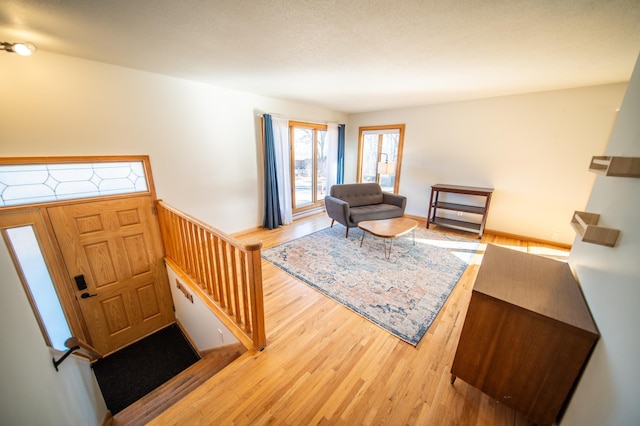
527 335
435 203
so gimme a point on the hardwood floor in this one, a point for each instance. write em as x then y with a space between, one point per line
324 364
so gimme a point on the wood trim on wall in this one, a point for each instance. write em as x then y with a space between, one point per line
146 162
401 128
527 238
61 280
506 234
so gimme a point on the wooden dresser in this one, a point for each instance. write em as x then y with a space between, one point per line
527 335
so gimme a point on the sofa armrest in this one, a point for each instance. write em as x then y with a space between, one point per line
337 209
394 199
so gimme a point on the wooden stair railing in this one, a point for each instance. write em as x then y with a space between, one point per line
74 344
227 271
85 348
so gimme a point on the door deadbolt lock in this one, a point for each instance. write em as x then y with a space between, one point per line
80 282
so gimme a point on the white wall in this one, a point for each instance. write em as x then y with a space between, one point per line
203 326
204 145
33 393
203 141
610 280
534 149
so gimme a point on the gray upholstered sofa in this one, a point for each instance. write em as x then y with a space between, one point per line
356 202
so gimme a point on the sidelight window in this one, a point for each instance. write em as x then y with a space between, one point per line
39 285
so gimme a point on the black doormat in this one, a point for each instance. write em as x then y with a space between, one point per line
130 373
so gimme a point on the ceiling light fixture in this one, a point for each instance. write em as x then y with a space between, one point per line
22 49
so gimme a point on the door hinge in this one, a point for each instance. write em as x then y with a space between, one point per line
154 210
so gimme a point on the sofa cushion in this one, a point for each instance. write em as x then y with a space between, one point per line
375 212
358 194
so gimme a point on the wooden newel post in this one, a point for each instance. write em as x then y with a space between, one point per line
254 264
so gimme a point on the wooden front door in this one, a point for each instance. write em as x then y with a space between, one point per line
115 249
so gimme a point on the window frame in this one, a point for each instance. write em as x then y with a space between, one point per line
39 291
60 161
26 161
314 184
34 214
35 218
361 133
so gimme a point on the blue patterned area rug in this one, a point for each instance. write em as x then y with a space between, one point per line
403 294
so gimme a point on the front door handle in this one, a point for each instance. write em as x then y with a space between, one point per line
87 295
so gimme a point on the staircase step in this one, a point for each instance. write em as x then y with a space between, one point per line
170 392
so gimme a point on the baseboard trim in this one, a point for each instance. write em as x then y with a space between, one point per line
497 233
299 215
527 238
423 219
107 420
239 234
189 339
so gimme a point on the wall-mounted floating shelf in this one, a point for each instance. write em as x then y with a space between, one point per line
585 224
616 166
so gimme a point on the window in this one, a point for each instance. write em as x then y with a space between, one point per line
42 182
39 285
380 144
308 164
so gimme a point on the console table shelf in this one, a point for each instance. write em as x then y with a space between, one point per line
436 204
461 208
457 224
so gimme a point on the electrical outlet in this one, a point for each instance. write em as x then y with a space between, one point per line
459 213
221 335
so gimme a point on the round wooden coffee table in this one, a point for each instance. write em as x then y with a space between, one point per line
388 229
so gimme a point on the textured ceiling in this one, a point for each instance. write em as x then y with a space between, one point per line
351 56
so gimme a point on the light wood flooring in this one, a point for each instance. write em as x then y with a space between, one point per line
324 364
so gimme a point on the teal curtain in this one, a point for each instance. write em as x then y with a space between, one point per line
340 177
272 214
